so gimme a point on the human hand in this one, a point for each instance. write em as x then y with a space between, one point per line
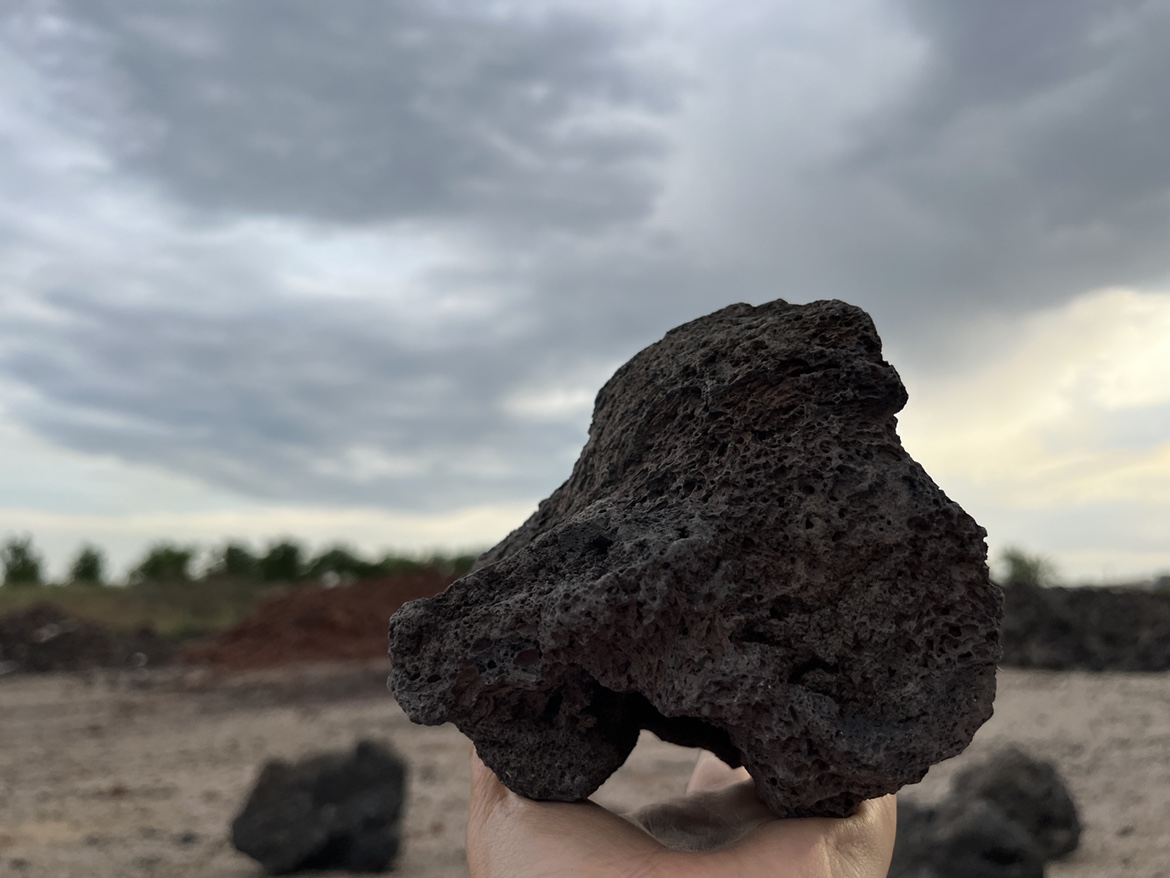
720 827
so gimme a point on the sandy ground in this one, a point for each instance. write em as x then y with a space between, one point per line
122 775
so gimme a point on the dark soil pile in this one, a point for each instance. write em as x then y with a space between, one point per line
1089 629
347 623
44 637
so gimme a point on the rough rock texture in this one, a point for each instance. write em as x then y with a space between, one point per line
1030 792
973 839
333 811
1089 629
744 559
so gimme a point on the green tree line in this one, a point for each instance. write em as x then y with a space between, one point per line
282 561
287 561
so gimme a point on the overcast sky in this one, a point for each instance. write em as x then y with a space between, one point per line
355 270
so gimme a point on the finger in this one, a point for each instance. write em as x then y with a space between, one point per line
706 819
487 792
861 845
712 773
509 835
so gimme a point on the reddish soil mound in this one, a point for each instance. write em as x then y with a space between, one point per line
347 623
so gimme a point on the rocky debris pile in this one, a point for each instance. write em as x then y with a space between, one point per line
331 811
43 638
1004 818
1088 629
957 839
346 623
1030 792
744 559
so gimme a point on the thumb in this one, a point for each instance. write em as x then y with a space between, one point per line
509 835
861 845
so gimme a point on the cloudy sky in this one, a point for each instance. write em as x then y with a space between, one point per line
356 269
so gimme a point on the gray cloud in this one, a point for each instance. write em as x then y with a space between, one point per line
154 338
1026 152
337 400
1006 157
1087 120
1014 165
361 110
272 400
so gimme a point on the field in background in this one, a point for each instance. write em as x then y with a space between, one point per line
177 611
181 610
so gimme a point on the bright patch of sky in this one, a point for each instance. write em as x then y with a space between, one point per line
125 537
1072 417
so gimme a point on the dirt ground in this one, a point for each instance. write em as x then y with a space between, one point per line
117 775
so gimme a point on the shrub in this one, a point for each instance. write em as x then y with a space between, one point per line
22 563
1027 570
88 567
341 561
283 562
235 560
164 562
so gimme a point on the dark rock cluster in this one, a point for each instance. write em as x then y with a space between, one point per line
43 638
331 811
744 559
1004 818
1030 792
1089 629
962 839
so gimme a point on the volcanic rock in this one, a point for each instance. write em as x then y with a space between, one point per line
744 559
1031 792
44 638
1003 818
962 839
331 811
1089 629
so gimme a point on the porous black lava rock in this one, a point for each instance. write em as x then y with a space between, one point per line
962 839
331 811
1088 629
1004 817
744 559
1028 790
